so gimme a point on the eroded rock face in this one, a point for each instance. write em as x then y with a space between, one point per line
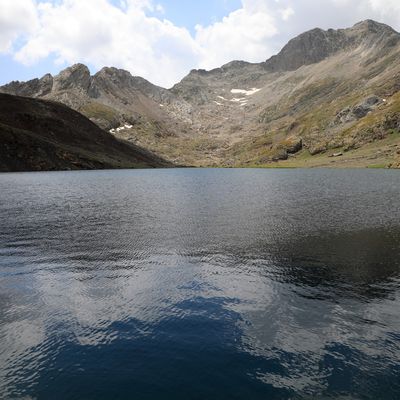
32 88
308 48
114 80
350 114
75 77
316 45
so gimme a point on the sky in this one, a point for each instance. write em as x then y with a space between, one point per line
162 40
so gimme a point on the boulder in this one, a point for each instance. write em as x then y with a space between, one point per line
351 114
293 144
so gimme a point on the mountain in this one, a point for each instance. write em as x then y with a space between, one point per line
38 135
329 98
326 93
110 97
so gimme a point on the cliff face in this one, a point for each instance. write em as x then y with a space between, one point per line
332 91
37 135
316 45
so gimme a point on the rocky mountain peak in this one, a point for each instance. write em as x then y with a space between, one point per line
317 44
115 74
237 64
33 88
374 34
121 79
372 26
74 77
308 48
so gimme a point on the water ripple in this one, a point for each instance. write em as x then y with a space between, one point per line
200 284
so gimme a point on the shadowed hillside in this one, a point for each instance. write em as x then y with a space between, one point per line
38 135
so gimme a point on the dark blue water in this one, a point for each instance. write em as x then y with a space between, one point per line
200 284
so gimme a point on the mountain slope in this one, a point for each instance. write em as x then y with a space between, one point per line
111 98
40 135
325 92
329 96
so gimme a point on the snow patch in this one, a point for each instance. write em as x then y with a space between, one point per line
222 98
245 92
217 103
121 128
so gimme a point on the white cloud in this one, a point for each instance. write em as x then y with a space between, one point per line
286 13
98 33
128 35
243 34
17 17
386 9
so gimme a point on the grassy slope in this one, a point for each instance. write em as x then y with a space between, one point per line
371 140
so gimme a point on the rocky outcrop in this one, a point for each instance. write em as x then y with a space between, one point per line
351 114
33 88
396 163
76 77
283 149
308 48
316 45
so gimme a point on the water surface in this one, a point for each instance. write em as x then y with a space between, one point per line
200 284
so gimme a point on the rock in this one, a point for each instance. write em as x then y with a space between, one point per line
32 88
362 109
280 154
308 48
317 149
316 45
75 77
396 162
391 122
293 144
340 154
351 114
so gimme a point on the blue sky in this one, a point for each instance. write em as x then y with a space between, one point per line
162 40
191 13
203 12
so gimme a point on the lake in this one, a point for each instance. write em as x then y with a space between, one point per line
200 284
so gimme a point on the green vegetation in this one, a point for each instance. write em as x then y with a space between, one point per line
100 112
377 166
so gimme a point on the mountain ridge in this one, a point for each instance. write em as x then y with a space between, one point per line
248 113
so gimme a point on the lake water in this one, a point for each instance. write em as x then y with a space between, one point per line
200 284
